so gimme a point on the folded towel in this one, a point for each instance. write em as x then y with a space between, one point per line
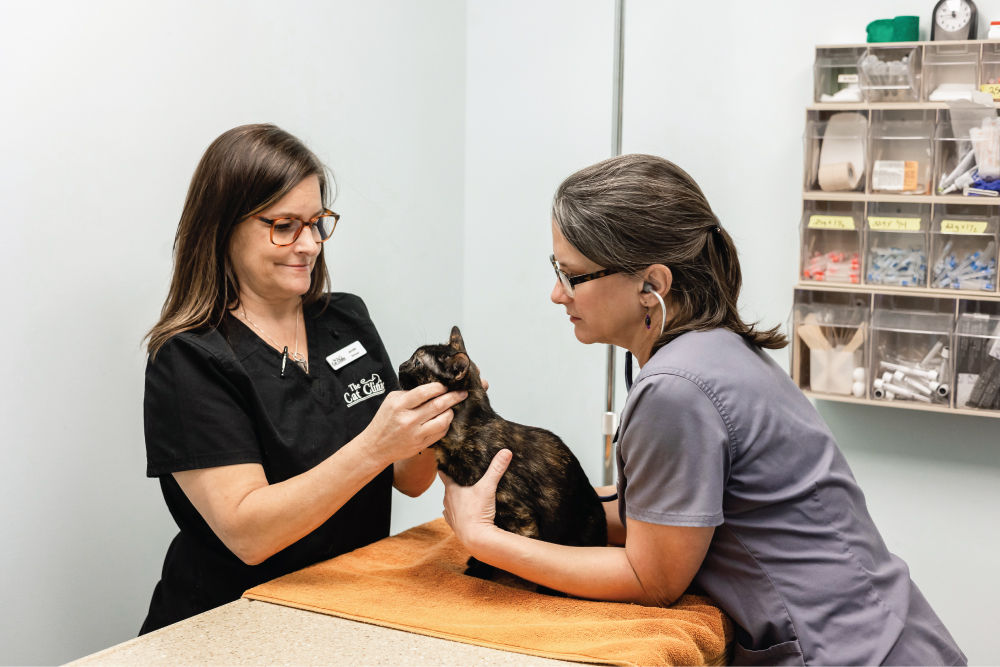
414 581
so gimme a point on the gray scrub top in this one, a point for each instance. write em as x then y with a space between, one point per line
715 433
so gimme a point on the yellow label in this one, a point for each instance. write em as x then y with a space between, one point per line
884 224
962 227
991 88
831 222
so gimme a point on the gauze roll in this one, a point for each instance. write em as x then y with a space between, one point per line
837 176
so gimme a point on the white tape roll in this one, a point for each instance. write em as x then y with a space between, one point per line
837 176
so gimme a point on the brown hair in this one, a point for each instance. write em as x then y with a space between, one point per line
245 170
632 211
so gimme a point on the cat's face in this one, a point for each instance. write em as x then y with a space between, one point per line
448 364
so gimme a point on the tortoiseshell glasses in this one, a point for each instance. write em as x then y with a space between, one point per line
569 282
285 231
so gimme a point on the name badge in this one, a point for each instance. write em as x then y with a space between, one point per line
346 355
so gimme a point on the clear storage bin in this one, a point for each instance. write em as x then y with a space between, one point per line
890 74
835 149
900 150
835 74
963 248
950 71
831 241
954 160
989 70
896 244
829 342
911 341
977 360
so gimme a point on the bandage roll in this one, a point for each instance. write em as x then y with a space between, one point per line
837 176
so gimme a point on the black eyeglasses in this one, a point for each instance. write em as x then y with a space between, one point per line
285 231
569 282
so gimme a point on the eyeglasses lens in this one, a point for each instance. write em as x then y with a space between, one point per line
561 275
567 285
286 232
323 229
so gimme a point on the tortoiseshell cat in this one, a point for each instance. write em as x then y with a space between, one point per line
544 494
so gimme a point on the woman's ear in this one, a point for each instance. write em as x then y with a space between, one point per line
656 278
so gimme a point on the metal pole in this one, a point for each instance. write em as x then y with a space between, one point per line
610 418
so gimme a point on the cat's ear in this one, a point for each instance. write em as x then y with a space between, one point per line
460 364
456 341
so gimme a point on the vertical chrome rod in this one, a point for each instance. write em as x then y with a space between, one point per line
610 420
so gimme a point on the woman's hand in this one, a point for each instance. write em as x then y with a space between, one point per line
470 510
408 422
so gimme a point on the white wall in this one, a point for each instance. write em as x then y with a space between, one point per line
107 107
538 108
726 100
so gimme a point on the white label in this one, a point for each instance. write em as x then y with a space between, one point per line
888 175
847 78
346 355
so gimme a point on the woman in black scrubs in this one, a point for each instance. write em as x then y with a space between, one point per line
272 415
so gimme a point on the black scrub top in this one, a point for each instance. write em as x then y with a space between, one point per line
216 397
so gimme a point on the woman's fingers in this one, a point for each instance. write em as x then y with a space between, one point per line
409 421
421 394
471 510
440 405
431 400
435 428
498 466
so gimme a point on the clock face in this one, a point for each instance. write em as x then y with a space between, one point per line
953 15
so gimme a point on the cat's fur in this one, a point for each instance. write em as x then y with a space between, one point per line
544 493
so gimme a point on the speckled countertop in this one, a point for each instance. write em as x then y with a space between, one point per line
250 632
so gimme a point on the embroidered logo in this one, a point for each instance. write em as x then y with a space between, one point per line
364 389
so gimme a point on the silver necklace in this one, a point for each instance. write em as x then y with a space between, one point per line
295 356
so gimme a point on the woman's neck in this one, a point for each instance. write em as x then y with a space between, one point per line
268 309
641 346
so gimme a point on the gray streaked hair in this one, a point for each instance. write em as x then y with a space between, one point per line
632 211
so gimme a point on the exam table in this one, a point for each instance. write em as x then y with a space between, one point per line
251 632
406 600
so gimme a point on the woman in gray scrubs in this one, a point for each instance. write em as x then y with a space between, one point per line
728 479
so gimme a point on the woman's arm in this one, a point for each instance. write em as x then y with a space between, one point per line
255 520
616 529
655 567
414 475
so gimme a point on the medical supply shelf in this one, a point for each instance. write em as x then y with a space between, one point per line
878 106
884 197
902 73
968 295
897 302
848 338
894 151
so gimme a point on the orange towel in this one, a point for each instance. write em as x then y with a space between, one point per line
414 581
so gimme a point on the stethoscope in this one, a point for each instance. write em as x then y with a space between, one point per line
648 289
